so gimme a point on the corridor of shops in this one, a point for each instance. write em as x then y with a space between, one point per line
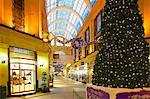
74 49
63 88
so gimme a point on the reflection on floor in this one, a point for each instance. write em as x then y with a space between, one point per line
63 89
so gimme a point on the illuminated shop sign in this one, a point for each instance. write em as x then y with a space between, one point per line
23 51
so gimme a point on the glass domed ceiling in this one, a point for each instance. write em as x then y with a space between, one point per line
65 17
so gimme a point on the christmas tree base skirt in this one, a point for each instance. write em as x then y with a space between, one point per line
99 92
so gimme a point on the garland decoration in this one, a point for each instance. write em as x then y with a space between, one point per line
77 43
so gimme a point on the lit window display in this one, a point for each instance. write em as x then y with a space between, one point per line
22 71
98 22
79 73
83 74
76 75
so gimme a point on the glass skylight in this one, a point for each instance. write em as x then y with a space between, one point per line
92 2
63 26
72 11
62 33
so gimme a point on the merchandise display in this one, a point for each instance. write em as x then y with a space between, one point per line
22 71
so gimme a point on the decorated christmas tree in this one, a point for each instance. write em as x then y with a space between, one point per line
122 60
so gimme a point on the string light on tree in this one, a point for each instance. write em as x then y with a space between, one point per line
122 47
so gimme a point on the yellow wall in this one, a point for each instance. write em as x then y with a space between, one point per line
3 67
42 59
1 10
14 38
144 7
92 27
43 18
147 17
6 12
33 17
9 37
33 10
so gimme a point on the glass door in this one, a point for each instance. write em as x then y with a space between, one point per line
22 71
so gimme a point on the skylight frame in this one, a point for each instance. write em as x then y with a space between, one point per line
79 6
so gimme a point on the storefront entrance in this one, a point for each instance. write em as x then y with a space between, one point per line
22 71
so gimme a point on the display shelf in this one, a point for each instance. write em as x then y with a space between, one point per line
21 63
22 58
22 71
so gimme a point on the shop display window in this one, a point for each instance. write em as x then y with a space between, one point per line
22 71
87 39
98 26
83 74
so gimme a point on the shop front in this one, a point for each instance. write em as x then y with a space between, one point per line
22 72
76 73
64 73
90 60
73 73
22 62
90 71
83 74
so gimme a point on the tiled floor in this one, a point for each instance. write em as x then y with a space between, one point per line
63 89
